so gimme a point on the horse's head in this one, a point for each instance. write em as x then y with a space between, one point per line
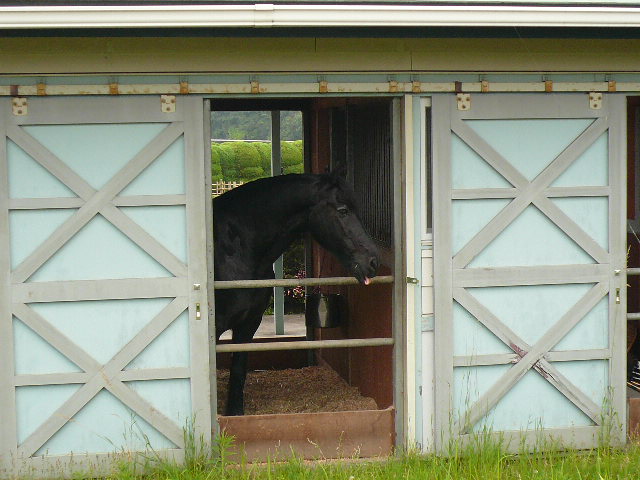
334 223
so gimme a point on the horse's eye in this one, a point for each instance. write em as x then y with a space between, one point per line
343 211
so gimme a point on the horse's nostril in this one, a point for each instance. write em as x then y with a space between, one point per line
373 263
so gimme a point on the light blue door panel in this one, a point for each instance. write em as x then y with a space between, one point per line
30 228
471 338
169 349
34 355
105 222
589 169
592 333
98 251
105 425
591 213
469 170
530 310
29 179
164 176
471 216
530 145
35 404
167 224
540 406
95 152
101 327
531 239
529 246
171 397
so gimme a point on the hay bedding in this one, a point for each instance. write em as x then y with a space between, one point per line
301 390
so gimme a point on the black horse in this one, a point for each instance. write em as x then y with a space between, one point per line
254 224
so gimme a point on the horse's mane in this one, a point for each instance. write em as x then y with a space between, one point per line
262 192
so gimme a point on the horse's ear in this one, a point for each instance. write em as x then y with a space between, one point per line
339 171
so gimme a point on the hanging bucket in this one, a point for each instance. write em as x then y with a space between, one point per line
325 310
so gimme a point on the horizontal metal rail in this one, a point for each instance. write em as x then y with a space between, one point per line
633 271
312 88
633 316
303 345
294 282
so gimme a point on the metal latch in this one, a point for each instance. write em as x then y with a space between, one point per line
412 280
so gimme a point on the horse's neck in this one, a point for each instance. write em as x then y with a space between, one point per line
281 228
277 238
279 224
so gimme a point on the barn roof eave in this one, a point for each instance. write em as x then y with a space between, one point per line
338 14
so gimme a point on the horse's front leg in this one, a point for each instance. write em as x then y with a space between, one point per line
243 333
238 372
237 378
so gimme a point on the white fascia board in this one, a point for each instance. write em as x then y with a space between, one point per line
269 15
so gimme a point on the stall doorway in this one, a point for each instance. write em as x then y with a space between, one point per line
633 264
333 131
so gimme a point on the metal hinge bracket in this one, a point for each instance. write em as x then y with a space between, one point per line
19 106
595 100
464 101
168 103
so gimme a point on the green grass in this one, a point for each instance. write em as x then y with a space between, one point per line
482 461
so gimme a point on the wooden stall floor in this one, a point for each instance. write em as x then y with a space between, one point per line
296 390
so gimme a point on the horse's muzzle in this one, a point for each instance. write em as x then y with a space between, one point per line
365 271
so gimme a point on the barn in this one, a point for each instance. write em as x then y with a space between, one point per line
493 146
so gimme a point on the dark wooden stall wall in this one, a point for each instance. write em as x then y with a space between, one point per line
633 244
633 107
633 261
370 315
633 252
370 308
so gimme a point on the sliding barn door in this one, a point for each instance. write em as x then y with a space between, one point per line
103 310
529 268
